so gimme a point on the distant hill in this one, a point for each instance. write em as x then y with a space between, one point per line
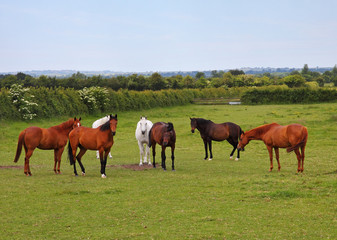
108 73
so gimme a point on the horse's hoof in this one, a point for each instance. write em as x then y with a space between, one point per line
210 159
83 173
149 163
231 157
140 164
236 159
103 176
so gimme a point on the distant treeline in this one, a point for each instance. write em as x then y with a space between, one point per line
232 78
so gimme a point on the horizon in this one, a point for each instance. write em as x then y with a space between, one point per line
160 36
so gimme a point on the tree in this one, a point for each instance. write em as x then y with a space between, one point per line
305 69
157 82
236 72
200 75
294 81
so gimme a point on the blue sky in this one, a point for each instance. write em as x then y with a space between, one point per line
183 35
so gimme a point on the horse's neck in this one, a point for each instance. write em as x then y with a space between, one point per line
202 125
259 132
65 127
255 134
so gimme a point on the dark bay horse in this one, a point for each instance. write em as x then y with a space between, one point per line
292 137
85 138
163 134
217 132
55 137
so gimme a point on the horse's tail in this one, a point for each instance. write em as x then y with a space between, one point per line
150 142
19 147
70 154
303 142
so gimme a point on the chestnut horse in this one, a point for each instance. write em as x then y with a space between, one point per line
55 137
218 132
85 138
163 134
292 137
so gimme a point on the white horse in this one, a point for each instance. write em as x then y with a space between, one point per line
98 123
142 135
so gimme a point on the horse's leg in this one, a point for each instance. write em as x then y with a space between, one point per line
154 154
97 154
210 150
163 158
235 145
29 153
79 159
206 152
55 160
172 157
277 153
147 153
103 156
58 156
299 159
141 152
110 156
302 155
270 150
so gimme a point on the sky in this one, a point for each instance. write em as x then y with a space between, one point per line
171 35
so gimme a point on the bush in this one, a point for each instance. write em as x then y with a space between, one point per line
288 96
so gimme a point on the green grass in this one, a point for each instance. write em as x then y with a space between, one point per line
219 199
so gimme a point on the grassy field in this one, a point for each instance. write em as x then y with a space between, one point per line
219 199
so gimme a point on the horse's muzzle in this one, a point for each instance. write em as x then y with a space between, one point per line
143 132
165 144
192 130
113 133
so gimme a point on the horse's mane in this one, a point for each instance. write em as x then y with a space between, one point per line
263 129
203 121
106 126
169 127
66 124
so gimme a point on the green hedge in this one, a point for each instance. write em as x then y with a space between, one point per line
67 102
288 95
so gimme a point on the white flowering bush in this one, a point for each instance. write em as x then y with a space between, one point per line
95 98
22 100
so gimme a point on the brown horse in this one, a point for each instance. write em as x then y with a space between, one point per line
292 137
85 138
163 134
55 137
217 132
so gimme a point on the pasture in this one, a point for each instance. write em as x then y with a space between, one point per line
218 199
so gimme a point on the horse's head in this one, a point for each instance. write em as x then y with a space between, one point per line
77 122
168 134
193 124
113 124
244 140
143 124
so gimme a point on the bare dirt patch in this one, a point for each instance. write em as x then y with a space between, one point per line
11 167
134 167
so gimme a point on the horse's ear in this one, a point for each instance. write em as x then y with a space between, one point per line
79 119
116 116
146 117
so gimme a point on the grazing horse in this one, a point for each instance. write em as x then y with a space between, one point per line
142 135
163 134
98 123
218 132
55 137
292 137
85 138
